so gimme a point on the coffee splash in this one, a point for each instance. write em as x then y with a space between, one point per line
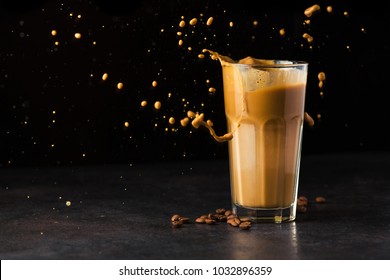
198 119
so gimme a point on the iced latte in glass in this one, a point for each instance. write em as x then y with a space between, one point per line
264 106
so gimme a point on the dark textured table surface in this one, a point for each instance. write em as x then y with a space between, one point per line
123 212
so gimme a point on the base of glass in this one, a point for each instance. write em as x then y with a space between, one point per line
266 215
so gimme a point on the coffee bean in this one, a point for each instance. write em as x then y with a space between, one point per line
245 225
210 221
175 217
222 218
212 216
234 223
185 220
200 220
232 216
302 200
320 199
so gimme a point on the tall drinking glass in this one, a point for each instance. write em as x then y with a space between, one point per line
264 106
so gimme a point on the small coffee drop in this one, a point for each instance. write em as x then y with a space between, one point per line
193 21
157 105
184 122
311 10
321 76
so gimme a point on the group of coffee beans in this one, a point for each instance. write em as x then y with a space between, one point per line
303 202
220 215
227 216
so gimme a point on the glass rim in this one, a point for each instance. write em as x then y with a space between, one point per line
272 63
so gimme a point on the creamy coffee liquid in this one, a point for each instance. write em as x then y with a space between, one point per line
267 141
265 114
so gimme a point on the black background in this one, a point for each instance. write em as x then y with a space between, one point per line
136 43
